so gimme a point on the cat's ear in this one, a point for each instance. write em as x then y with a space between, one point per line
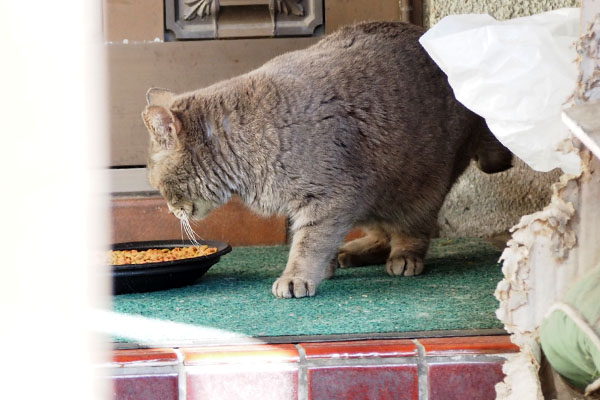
162 125
159 97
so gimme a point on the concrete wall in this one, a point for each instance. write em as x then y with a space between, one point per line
488 205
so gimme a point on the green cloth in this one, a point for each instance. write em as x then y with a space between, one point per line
454 292
570 351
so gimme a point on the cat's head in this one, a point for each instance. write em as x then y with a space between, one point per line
170 168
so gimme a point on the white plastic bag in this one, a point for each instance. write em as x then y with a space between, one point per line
517 74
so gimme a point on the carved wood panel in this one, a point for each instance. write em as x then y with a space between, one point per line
211 19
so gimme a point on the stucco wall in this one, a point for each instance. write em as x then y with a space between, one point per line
499 9
488 205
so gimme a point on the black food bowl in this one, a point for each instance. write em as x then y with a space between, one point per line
150 277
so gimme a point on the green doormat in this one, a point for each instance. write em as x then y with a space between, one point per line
454 293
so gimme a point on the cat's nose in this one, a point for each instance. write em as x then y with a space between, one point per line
181 211
178 212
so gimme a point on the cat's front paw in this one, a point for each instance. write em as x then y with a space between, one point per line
294 286
404 265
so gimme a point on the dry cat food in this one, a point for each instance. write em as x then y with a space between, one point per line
124 257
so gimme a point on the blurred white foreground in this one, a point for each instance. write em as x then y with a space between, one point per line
53 118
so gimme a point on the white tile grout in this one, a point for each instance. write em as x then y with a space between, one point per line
182 378
302 374
143 371
361 362
423 371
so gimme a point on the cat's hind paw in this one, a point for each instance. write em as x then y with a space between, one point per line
404 265
344 260
290 286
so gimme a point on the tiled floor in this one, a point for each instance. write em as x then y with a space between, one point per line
425 368
437 368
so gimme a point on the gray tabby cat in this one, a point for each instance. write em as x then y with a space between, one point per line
359 130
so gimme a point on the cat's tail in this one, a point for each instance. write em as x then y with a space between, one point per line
491 155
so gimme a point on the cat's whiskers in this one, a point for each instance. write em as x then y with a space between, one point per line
194 223
181 229
189 231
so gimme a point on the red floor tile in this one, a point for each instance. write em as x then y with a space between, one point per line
469 345
242 372
359 349
249 381
147 387
398 382
464 381
261 353
134 356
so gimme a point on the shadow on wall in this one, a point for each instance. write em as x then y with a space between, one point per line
483 205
